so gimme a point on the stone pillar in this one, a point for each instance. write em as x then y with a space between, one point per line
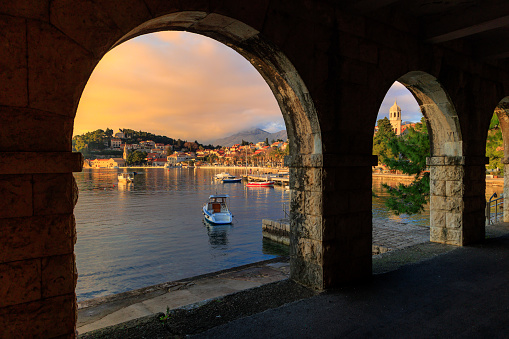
331 219
37 236
456 200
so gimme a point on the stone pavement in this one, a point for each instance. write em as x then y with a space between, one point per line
102 312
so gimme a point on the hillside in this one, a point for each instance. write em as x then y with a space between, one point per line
254 136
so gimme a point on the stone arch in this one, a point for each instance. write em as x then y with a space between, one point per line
305 160
502 111
446 161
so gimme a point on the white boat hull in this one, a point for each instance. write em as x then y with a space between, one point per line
219 218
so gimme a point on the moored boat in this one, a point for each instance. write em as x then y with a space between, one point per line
231 179
216 210
260 184
222 175
126 177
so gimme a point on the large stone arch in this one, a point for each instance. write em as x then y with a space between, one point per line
298 112
448 198
502 111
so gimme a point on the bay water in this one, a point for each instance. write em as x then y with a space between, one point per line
136 235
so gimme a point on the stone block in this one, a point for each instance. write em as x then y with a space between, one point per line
34 237
58 275
368 52
13 62
308 227
40 162
454 204
438 188
438 234
453 220
20 282
313 203
437 202
435 161
307 249
16 196
313 179
19 125
40 319
58 69
306 273
54 194
335 202
437 218
297 201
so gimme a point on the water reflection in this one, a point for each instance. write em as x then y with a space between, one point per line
218 235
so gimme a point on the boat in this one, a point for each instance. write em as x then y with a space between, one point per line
231 179
126 177
266 183
216 210
222 175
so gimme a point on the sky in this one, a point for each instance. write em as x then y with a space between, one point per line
187 86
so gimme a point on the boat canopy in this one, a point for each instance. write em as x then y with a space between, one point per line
219 196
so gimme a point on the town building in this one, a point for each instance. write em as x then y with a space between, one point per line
107 163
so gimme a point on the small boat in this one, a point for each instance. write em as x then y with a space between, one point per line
231 179
222 175
260 184
126 177
216 210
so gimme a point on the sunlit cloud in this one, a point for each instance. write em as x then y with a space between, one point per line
410 110
177 84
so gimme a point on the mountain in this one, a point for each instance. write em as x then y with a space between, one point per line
254 136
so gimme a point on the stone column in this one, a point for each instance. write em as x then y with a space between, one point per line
37 236
331 219
456 200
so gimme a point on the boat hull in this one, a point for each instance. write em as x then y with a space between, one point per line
232 180
260 184
222 218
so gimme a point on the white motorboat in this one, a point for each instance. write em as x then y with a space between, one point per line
126 177
222 175
216 210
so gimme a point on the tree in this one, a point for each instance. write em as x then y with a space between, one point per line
495 146
382 138
266 141
136 157
412 149
108 132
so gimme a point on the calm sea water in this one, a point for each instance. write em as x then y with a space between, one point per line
136 235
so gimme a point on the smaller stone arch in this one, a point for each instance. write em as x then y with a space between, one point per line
455 216
502 111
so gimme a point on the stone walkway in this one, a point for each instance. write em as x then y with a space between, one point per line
392 235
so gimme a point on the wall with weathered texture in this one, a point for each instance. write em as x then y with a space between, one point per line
329 70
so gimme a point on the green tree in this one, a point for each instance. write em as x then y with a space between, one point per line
136 157
412 149
382 139
495 146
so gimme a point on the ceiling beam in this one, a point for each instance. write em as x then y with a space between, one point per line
470 30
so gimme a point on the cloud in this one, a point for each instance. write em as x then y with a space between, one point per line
177 84
410 110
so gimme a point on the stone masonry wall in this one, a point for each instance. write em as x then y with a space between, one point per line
456 212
